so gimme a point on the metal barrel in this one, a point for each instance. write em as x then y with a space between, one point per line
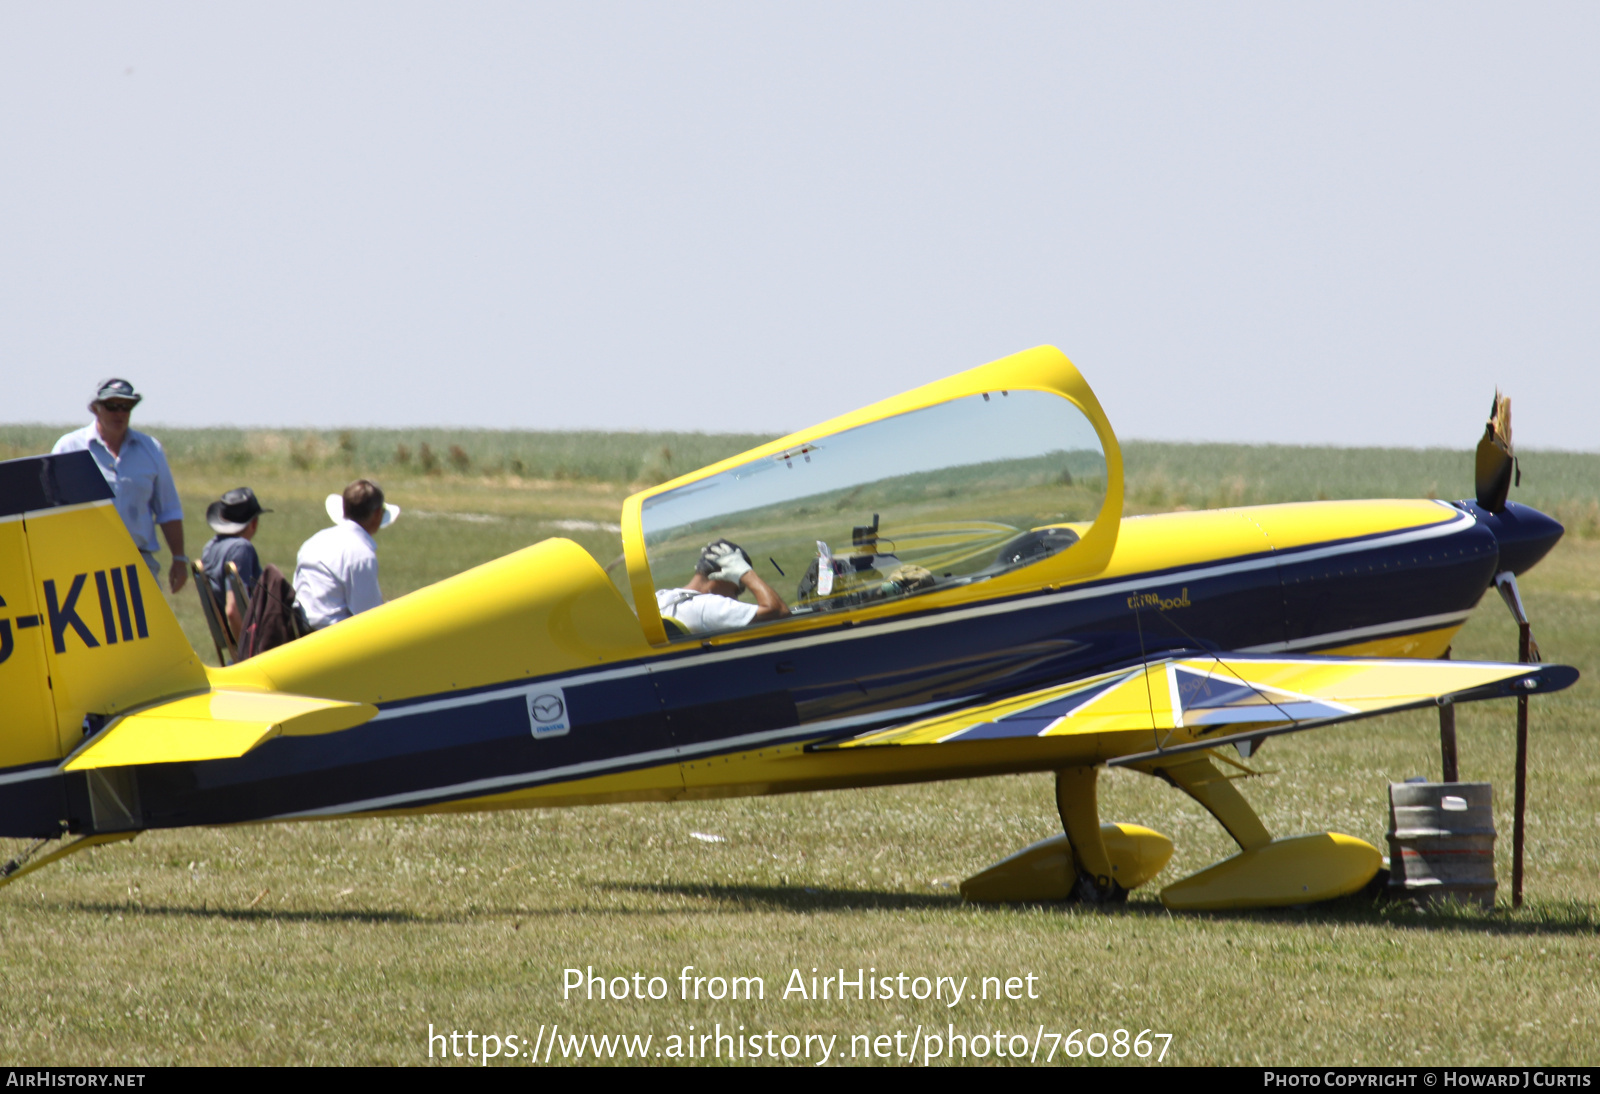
1441 842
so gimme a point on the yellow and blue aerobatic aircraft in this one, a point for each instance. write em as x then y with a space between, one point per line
967 600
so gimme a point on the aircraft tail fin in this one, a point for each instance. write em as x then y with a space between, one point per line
85 633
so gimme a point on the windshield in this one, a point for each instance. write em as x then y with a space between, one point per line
951 493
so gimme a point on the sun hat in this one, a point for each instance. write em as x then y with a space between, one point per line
234 512
335 507
115 388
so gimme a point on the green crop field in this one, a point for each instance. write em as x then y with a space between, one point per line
347 941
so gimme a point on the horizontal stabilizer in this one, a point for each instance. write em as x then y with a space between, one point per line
1197 702
218 725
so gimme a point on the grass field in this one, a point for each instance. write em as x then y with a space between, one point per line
341 942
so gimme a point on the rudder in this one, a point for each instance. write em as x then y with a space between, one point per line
84 629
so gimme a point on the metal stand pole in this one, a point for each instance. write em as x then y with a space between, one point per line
1447 738
1524 655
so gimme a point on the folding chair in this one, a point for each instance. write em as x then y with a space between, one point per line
240 596
213 612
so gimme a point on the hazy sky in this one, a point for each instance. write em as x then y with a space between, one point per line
1267 222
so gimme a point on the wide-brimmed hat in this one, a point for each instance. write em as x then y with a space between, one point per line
115 388
335 507
235 511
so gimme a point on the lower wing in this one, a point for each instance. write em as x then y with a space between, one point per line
1193 702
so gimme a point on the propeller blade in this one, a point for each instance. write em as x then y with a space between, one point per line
1495 460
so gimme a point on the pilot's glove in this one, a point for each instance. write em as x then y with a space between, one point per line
730 563
911 577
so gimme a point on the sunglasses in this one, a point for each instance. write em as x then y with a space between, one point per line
118 408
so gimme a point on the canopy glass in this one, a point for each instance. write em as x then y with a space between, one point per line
952 493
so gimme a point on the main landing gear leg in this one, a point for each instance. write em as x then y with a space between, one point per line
1200 779
1089 861
1266 873
1080 816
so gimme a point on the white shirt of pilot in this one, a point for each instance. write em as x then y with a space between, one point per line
701 612
336 574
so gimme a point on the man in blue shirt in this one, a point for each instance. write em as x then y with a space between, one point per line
136 469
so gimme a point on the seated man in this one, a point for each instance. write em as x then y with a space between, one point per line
710 601
234 519
336 574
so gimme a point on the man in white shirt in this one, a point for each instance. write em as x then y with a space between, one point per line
135 467
336 573
709 602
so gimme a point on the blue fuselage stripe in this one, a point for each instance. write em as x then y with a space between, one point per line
831 683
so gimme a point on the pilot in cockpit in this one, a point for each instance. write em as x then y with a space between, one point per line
710 601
